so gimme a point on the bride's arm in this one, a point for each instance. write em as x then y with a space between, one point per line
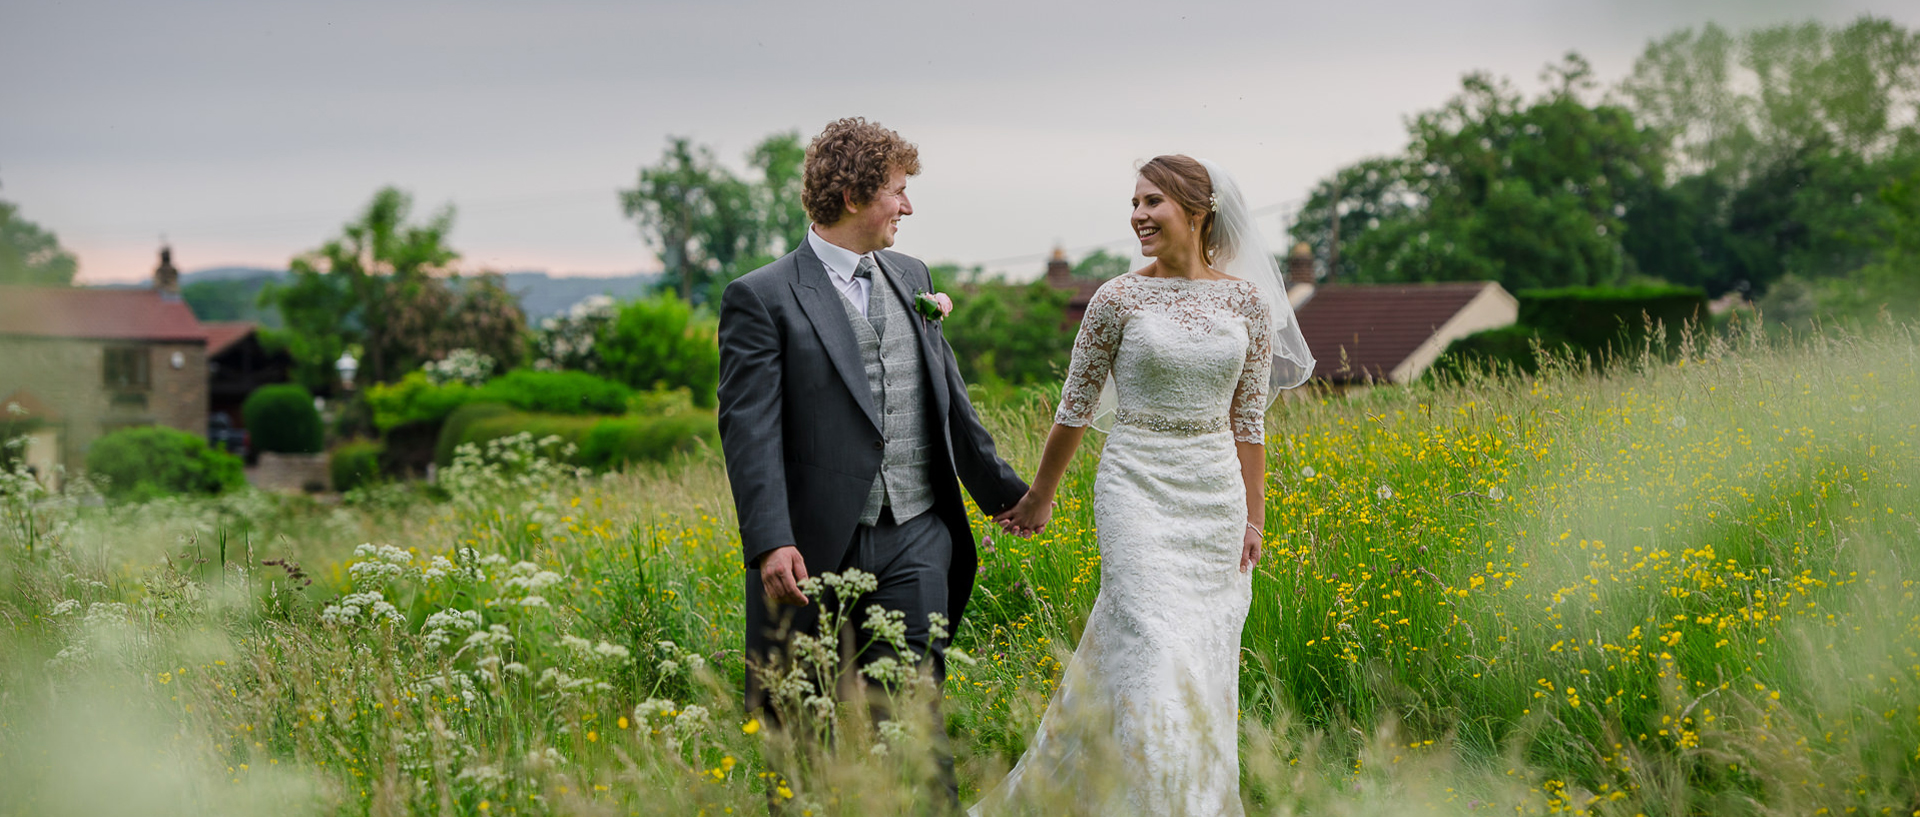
1253 472
1036 508
1093 351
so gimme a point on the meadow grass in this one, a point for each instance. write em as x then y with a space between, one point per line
1676 586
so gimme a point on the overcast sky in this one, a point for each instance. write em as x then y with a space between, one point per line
246 132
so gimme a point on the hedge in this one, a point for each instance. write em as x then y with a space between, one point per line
281 418
1508 348
1598 318
1589 322
355 464
151 461
556 392
454 430
415 399
617 441
601 443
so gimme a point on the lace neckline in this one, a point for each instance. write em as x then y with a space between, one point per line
1183 279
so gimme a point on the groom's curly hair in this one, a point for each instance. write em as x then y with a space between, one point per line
848 162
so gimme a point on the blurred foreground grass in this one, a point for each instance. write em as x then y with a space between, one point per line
1676 587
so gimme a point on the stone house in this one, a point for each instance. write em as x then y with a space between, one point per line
80 362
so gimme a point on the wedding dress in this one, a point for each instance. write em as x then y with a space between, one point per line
1158 662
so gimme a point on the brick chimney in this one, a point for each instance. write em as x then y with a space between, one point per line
1300 264
1059 272
166 279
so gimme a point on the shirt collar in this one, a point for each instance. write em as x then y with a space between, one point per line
840 261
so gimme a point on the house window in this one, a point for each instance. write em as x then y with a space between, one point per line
127 369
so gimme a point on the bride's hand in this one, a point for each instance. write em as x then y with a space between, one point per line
1026 517
1249 548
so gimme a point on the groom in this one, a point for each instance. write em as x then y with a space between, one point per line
844 419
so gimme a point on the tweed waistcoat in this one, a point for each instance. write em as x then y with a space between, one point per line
897 375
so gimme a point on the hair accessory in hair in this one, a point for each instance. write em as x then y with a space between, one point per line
1213 202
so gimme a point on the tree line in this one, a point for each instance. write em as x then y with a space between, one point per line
1781 162
1784 156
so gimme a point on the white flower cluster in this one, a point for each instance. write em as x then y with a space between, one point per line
492 638
527 577
441 628
484 778
515 462
460 366
568 341
650 708
448 684
687 722
593 652
889 626
675 659
848 586
378 563
354 608
564 684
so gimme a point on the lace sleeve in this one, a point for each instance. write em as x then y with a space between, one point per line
1250 397
1093 350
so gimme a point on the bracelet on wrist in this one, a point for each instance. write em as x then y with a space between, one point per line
1256 529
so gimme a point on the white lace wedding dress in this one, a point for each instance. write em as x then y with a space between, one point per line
1159 659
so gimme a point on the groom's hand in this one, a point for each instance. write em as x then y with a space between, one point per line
781 572
1028 516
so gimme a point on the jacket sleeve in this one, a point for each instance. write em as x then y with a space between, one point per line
990 480
750 424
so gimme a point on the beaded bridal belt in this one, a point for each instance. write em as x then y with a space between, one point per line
1170 425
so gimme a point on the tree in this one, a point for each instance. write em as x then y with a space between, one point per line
710 225
1365 194
30 255
1101 265
780 158
1530 194
663 342
1012 333
1780 139
1736 105
386 286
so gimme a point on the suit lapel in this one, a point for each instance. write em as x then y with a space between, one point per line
821 303
929 347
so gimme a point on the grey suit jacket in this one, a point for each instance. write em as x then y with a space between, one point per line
802 436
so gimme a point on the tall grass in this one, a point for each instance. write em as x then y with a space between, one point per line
1663 588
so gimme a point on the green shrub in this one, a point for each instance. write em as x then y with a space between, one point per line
415 399
151 461
617 441
661 341
1596 319
556 392
454 429
281 418
355 464
478 429
1507 348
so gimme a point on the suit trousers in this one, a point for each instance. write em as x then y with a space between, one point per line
909 561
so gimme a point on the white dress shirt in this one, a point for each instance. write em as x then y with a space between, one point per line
841 262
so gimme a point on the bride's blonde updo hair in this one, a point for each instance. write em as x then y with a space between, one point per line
1187 182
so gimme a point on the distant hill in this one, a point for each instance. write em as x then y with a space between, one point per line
230 293
543 295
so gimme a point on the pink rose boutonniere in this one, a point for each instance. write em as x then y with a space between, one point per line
934 306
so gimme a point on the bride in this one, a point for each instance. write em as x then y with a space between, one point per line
1178 361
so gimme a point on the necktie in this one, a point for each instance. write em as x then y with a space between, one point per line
865 269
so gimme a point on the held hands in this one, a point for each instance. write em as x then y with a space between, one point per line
1249 547
781 572
1028 516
